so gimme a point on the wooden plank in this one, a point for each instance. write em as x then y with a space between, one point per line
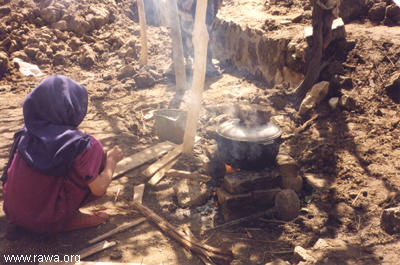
161 173
143 33
200 41
142 157
138 191
174 173
117 230
156 166
176 37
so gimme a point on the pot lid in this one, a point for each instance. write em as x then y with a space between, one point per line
237 131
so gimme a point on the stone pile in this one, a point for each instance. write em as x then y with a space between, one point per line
245 192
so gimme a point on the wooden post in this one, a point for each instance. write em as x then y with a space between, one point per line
200 41
177 47
143 33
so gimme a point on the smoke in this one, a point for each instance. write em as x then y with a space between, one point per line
397 2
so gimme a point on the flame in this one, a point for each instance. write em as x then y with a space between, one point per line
230 170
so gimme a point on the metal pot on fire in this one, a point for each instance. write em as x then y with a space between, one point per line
248 147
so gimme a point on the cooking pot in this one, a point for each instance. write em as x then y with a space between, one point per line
248 147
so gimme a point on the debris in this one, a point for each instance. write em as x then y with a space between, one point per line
390 220
88 57
138 159
215 254
317 93
287 204
126 71
118 229
138 191
305 254
174 173
191 193
377 12
347 102
144 80
27 69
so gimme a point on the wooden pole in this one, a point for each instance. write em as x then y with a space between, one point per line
177 47
200 41
143 33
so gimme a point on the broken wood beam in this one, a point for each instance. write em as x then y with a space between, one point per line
142 157
117 230
174 173
200 40
156 166
177 47
143 33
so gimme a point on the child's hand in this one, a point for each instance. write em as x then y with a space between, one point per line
115 154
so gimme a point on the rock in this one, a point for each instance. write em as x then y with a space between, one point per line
287 204
191 193
244 181
317 93
305 254
351 10
126 71
277 262
377 12
78 25
347 102
31 52
61 25
338 30
333 102
238 205
51 14
316 182
59 58
75 43
393 87
5 11
293 183
3 63
288 167
390 220
98 17
393 13
88 57
144 80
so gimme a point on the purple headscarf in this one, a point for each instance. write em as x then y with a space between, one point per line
50 140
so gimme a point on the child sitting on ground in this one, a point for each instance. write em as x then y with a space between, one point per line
54 168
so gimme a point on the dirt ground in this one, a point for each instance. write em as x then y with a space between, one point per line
356 149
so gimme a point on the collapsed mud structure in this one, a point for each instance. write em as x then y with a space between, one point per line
328 195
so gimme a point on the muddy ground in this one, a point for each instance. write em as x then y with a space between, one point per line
355 148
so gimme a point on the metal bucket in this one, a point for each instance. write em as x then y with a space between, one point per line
170 124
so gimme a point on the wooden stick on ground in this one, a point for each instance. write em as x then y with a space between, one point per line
161 173
156 166
174 173
176 37
200 41
138 159
143 33
138 191
215 254
95 248
117 230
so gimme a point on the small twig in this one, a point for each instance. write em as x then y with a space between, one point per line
390 61
273 221
117 194
356 198
280 252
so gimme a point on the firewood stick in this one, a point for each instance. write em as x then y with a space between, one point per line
95 248
117 230
189 242
138 191
200 41
143 33
156 166
161 173
176 37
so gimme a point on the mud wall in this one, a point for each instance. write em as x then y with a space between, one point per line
272 58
